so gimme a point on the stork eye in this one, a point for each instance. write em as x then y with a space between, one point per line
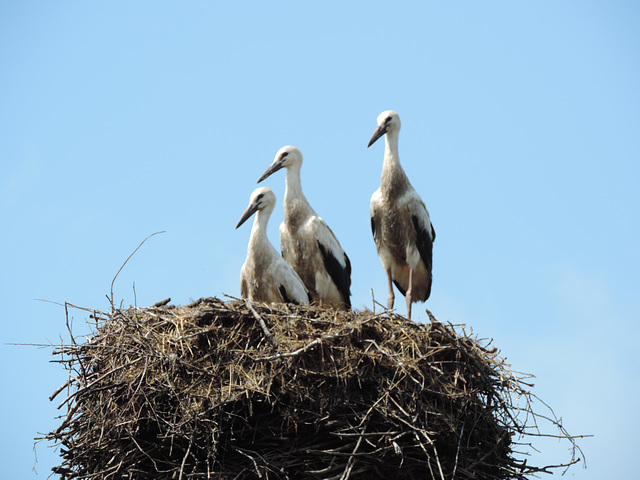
387 120
284 155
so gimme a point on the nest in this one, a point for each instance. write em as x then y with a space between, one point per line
230 390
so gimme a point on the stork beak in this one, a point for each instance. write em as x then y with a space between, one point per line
275 166
380 131
251 209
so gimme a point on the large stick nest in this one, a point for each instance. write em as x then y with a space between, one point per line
227 390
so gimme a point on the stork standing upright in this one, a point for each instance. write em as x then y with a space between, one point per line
307 243
400 222
265 276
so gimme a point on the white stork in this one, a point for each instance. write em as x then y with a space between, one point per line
307 243
265 276
400 222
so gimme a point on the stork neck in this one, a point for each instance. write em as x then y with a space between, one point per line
259 229
296 206
391 157
393 179
293 185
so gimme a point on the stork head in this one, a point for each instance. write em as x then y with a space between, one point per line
388 121
262 198
286 157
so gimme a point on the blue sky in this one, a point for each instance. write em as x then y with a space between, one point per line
520 130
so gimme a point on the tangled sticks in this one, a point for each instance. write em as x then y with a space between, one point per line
204 391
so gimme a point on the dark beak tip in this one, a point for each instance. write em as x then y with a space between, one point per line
380 131
251 209
271 170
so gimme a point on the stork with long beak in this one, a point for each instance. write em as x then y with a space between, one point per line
265 276
400 222
307 243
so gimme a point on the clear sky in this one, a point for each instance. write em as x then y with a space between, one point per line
520 130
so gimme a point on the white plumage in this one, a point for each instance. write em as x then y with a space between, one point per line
265 276
307 243
400 222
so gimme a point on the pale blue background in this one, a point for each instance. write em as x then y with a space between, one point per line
521 131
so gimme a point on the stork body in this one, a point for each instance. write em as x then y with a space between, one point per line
307 242
265 276
400 222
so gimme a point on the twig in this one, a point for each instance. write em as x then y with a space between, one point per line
55 394
435 450
263 325
67 418
184 460
162 303
195 303
375 302
561 465
455 465
125 262
90 385
94 313
352 460
290 354
297 352
73 340
255 464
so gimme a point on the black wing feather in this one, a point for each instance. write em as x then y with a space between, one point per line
285 296
424 243
425 247
400 289
340 276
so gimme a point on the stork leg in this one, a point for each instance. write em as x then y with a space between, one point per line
320 302
391 296
408 294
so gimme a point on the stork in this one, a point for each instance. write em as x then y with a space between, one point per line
265 276
307 243
400 222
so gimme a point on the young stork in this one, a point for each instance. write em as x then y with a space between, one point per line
400 222
265 276
307 243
